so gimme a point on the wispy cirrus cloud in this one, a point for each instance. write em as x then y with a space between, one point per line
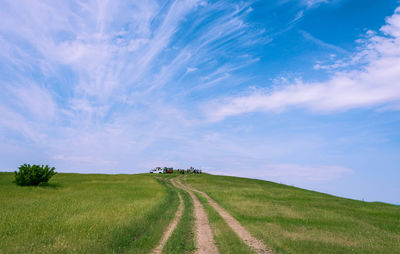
83 77
321 43
311 3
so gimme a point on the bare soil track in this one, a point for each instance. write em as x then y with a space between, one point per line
170 229
204 237
257 245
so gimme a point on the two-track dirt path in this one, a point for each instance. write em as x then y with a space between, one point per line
170 229
257 245
204 237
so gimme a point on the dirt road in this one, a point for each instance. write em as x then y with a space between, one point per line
204 237
257 245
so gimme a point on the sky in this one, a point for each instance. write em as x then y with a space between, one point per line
300 92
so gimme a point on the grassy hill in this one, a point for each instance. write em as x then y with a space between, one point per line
294 220
128 214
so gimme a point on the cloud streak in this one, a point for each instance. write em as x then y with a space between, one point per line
372 81
109 79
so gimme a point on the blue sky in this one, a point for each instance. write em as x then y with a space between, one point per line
303 92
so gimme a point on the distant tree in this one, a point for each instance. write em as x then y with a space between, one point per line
33 175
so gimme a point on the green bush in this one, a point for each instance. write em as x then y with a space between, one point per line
33 175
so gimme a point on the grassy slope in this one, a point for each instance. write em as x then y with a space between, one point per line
84 213
128 214
293 220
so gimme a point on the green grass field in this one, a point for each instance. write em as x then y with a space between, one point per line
84 214
293 220
90 213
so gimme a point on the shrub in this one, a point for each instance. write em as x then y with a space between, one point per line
33 175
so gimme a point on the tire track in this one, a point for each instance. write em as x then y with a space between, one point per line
257 245
204 237
170 229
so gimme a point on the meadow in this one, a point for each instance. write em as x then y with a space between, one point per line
93 213
79 213
294 220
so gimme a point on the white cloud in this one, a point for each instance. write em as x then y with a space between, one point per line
102 86
392 26
311 3
371 80
35 99
298 16
317 41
